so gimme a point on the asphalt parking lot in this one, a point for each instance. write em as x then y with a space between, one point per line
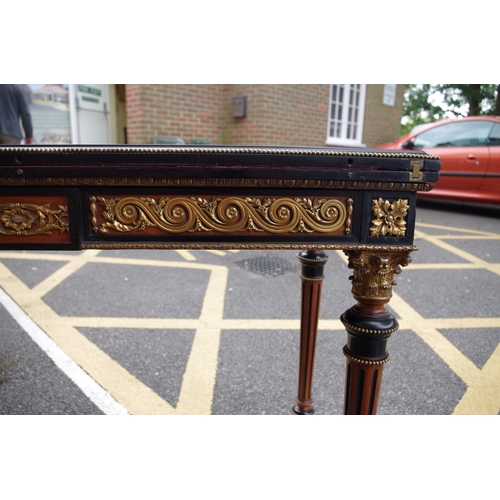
209 332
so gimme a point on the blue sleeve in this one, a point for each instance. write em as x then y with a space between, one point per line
25 114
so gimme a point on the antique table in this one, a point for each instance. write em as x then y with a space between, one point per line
223 197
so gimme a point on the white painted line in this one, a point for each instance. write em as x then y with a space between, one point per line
103 400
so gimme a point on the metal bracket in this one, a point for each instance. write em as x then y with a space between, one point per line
416 170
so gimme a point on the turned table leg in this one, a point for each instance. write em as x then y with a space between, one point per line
369 325
313 262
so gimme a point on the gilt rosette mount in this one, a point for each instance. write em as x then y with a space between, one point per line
29 219
389 217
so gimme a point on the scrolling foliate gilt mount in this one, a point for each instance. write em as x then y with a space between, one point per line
29 219
226 215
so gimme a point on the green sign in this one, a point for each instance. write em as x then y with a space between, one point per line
90 99
89 90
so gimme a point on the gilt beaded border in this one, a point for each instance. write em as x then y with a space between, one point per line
305 278
100 245
368 331
365 361
313 261
211 150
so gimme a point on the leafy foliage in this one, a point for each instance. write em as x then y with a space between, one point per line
431 102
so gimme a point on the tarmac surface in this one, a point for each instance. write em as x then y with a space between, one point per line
217 332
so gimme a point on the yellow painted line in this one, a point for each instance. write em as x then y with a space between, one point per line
137 397
132 323
101 398
196 394
277 324
64 272
6 254
483 392
462 366
456 229
483 386
192 324
461 253
449 265
213 302
198 383
260 324
220 253
466 323
494 268
186 254
103 259
153 263
454 250
342 255
468 237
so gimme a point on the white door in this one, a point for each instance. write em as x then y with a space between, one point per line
90 113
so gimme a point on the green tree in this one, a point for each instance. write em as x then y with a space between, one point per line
427 102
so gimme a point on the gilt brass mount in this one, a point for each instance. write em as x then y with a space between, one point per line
28 219
373 273
224 215
389 217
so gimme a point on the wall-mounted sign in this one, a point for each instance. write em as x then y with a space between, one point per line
239 107
389 94
90 97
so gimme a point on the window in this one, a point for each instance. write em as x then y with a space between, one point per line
345 115
457 134
494 138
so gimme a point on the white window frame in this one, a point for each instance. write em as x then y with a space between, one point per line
343 121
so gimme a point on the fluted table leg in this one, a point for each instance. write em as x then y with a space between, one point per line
369 326
313 262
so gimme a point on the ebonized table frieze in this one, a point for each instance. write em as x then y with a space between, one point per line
362 202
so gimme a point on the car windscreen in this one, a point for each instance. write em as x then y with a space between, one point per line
456 134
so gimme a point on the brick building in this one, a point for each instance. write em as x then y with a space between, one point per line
345 115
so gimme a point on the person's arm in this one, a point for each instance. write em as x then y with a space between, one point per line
25 117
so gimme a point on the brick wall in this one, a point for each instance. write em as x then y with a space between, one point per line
382 123
185 111
289 115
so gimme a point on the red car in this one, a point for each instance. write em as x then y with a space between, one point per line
469 149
